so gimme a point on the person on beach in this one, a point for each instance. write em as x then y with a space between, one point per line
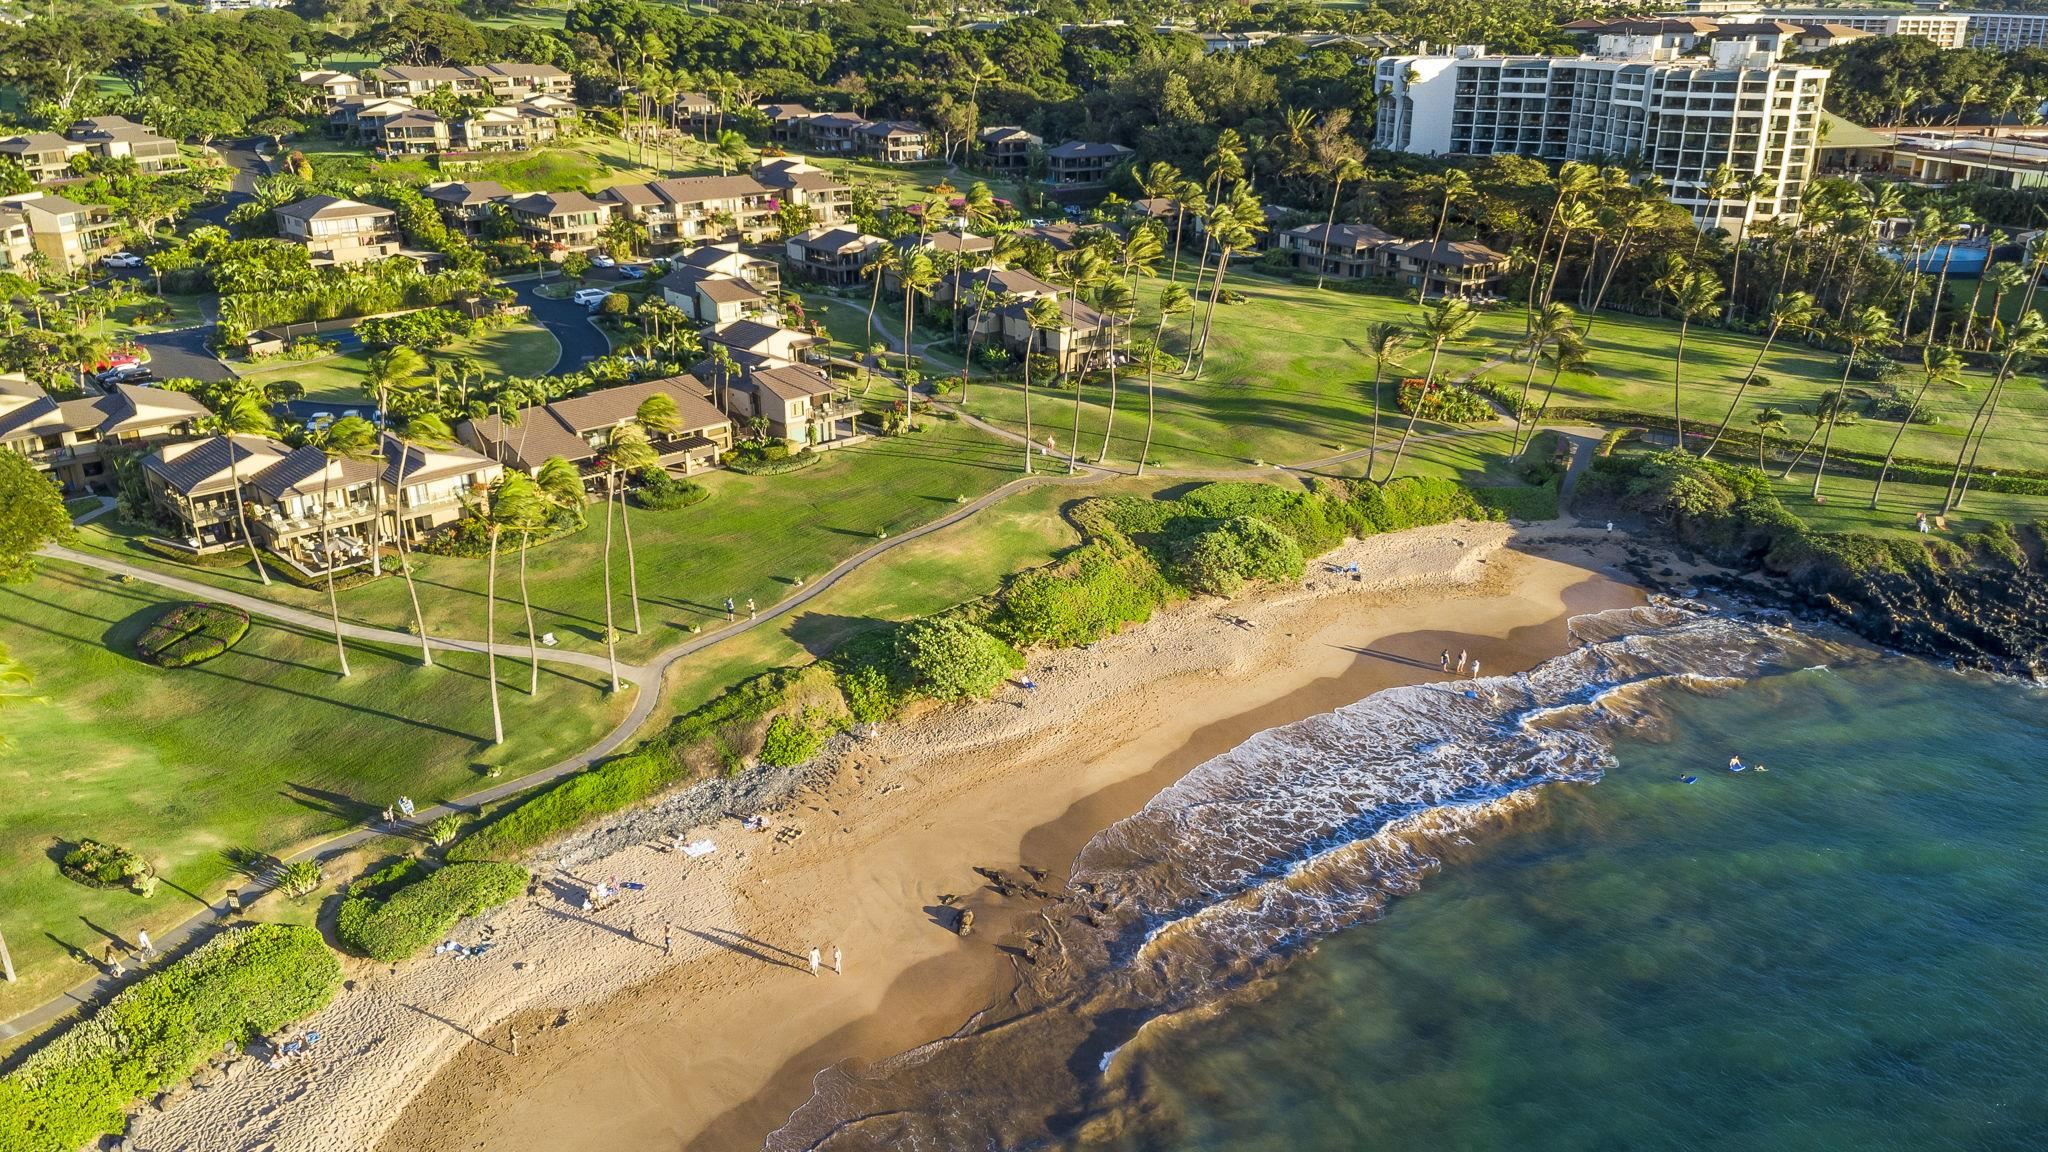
838 962
1475 669
1461 660
1444 661
814 961
142 943
668 940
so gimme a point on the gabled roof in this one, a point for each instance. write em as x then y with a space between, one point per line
722 289
1007 132
834 239
699 189
1452 253
24 405
560 428
785 111
949 241
1343 235
887 128
465 193
554 203
411 464
1073 314
34 142
331 208
306 471
747 334
127 407
1083 149
792 381
202 467
1008 282
846 120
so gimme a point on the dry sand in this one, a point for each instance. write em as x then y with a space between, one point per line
624 1044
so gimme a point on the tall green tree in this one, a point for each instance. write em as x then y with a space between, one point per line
1865 328
1040 315
561 489
626 451
349 438
244 415
1448 321
515 507
424 432
1173 300
1344 171
1553 322
1796 311
32 514
1386 345
1938 365
1693 292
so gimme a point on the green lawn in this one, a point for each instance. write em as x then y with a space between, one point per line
518 350
264 748
754 537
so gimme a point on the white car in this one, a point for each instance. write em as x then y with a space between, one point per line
590 297
602 261
123 260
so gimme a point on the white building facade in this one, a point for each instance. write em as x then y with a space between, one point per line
1677 117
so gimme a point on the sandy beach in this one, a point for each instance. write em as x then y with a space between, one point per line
687 1015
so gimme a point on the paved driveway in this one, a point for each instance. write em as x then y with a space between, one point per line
183 353
570 322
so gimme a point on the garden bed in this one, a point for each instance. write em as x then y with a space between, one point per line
192 633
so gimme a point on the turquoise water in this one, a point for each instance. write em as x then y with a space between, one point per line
1847 952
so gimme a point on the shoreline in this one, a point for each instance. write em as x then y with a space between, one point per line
622 1044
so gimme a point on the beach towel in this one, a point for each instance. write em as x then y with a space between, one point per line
699 848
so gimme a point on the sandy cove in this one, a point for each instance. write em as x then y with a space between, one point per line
624 1043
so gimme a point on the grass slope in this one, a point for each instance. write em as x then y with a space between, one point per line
518 350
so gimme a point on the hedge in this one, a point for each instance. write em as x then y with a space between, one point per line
771 460
188 634
245 982
662 492
419 914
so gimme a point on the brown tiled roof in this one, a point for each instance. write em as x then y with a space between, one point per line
792 381
559 428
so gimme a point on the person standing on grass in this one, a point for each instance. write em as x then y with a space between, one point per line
728 610
751 614
814 961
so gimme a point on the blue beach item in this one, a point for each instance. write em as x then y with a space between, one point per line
1687 779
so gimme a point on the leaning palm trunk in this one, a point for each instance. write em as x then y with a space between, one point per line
1912 410
1180 213
491 640
242 513
1677 384
1799 457
1030 334
1323 265
632 569
1151 367
1209 313
419 620
1976 297
1189 363
1973 443
1834 416
1108 426
1747 380
1620 254
1536 421
1421 402
1735 270
526 603
1521 406
1940 287
1536 272
611 634
327 557
1372 451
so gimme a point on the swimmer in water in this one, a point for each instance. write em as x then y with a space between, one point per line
1735 763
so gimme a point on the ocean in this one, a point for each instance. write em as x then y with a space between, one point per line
1495 916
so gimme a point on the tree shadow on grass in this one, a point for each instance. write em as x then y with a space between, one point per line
822 633
343 807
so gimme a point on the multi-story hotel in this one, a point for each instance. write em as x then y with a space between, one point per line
1680 117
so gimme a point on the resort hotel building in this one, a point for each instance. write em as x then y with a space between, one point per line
1642 100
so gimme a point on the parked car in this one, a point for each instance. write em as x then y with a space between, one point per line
591 297
602 261
126 374
318 421
118 360
123 260
633 271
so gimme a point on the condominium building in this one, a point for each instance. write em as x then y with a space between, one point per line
77 440
337 231
694 209
796 181
504 81
2007 30
559 221
1083 163
46 156
1678 117
69 234
1007 149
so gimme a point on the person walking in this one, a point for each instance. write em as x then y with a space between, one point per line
115 966
728 610
814 961
751 614
668 940
838 962
142 943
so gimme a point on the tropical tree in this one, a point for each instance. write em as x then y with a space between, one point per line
1796 311
2023 339
1386 345
1567 353
1938 365
1864 327
1455 186
918 276
1234 230
1344 171
1041 315
1767 421
244 415
731 150
1173 300
1552 322
423 432
626 450
658 418
1693 292
1748 189
1116 301
515 505
349 438
1446 322
887 261
561 488
1574 179
1635 219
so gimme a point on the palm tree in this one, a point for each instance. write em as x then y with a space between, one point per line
731 150
1692 292
1173 300
1767 421
2001 278
423 431
2023 339
1116 301
1042 314
625 450
1867 326
1567 353
1574 179
1796 311
1454 185
515 505
1550 325
1575 220
349 438
561 487
1445 323
1234 231
1635 219
917 277
1345 170
1386 345
1085 269
658 418
887 260
1938 366
1748 189
1187 198
244 415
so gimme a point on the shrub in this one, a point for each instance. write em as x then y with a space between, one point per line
245 982
793 739
299 880
188 634
1451 403
1090 593
951 659
1241 549
426 328
662 492
444 829
98 865
403 924
768 458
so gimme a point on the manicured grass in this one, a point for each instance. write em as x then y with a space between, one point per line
518 350
753 537
261 749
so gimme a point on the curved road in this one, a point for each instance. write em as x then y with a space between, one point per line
570 324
